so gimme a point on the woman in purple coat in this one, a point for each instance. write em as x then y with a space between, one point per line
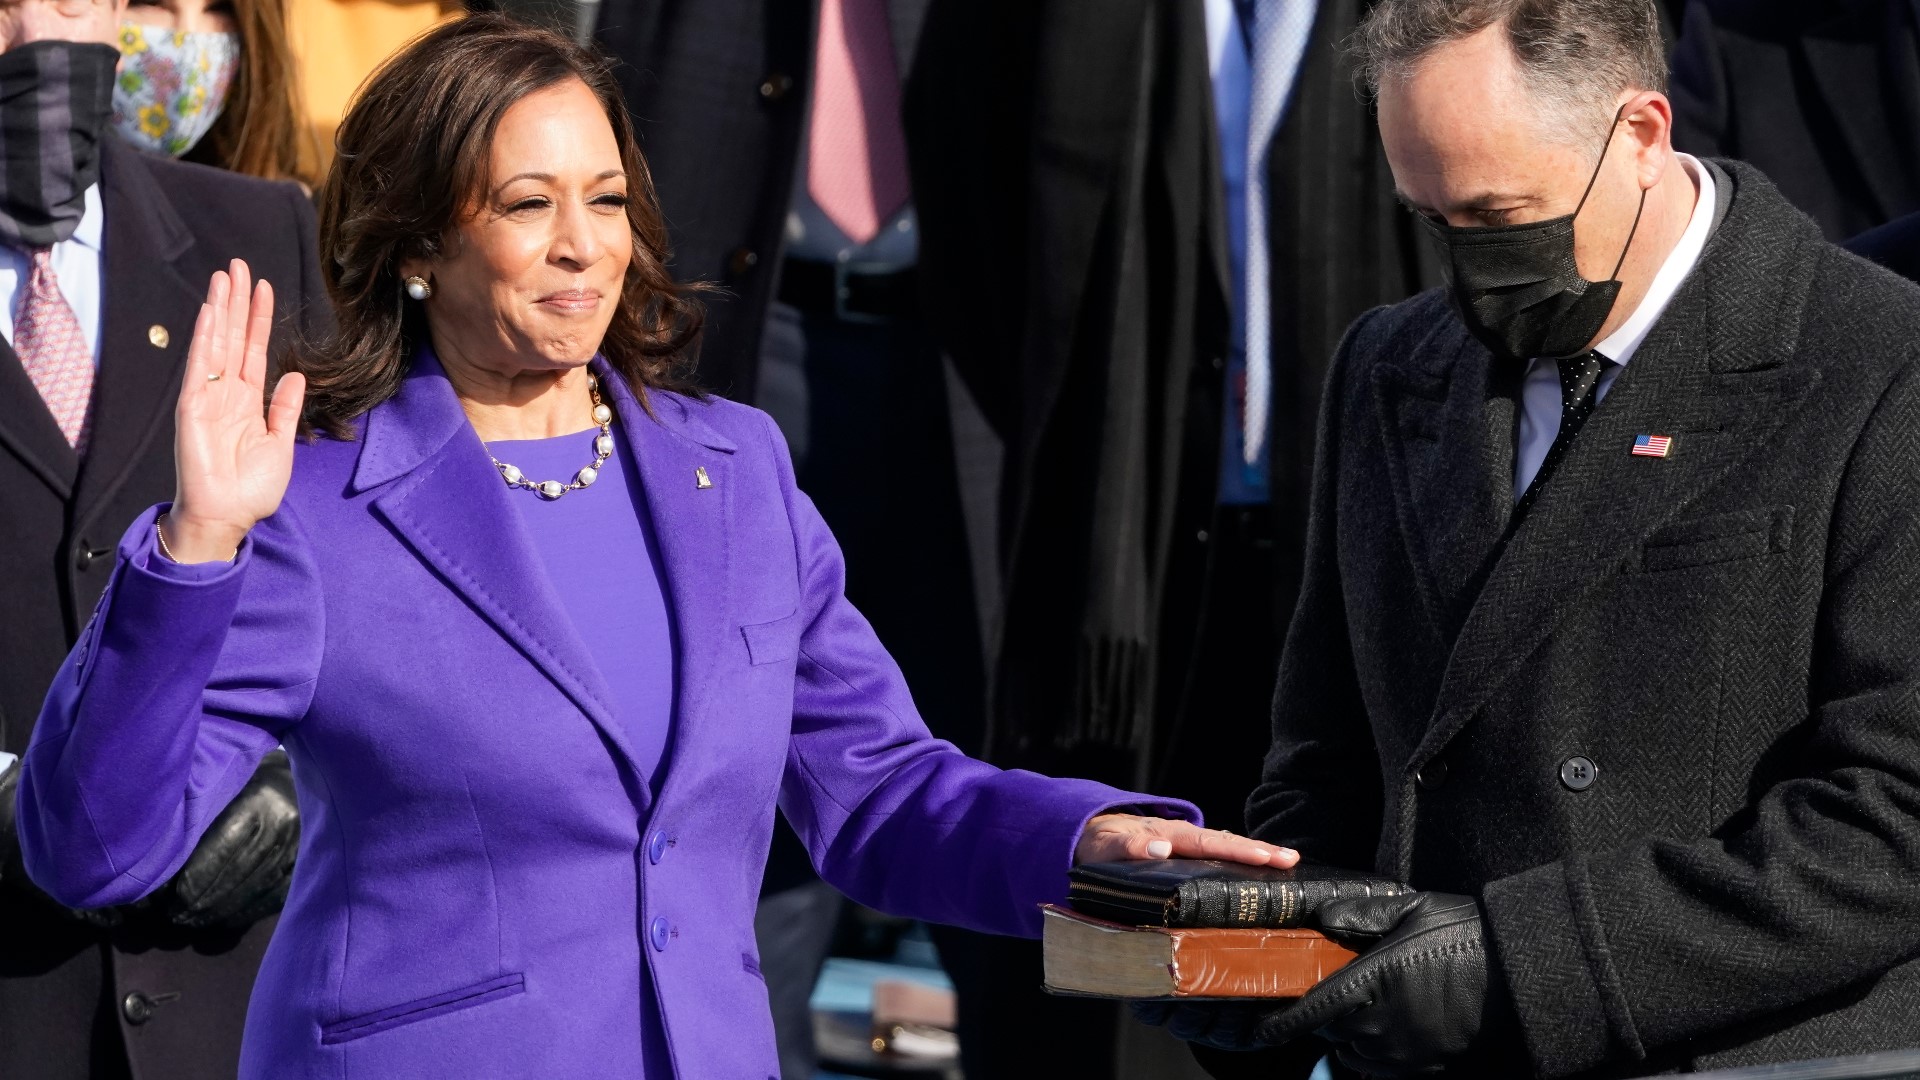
547 635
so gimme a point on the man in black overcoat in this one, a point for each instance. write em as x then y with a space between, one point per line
1824 97
159 990
1608 638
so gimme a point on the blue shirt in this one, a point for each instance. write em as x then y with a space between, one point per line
1229 45
76 263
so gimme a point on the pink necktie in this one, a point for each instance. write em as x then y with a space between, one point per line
47 337
857 156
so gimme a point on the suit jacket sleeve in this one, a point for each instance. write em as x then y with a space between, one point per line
1806 892
1698 89
893 817
1320 791
184 683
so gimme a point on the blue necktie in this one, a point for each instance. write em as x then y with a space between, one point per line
1279 34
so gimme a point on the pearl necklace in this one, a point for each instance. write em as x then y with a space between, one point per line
602 450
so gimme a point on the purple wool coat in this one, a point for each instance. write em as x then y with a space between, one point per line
482 872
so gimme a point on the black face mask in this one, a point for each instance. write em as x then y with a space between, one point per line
56 98
1518 288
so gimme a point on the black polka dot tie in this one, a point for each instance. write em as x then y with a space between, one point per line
1579 393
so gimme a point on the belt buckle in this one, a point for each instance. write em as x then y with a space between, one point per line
843 291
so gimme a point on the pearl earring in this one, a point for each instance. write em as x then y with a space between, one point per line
418 288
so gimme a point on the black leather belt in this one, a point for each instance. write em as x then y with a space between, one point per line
850 291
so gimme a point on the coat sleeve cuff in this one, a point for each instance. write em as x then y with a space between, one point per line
1535 926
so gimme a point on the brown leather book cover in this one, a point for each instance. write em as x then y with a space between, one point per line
1090 957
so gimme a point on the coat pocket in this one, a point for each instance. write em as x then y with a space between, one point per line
1717 538
359 1027
772 642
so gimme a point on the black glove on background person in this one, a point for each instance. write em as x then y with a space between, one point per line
240 871
236 876
1421 992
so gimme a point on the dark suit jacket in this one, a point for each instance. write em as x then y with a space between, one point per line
1728 634
168 227
1895 245
1073 246
1823 97
719 91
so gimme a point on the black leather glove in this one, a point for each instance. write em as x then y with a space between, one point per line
241 869
1421 993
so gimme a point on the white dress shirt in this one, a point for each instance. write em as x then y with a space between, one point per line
76 262
1540 394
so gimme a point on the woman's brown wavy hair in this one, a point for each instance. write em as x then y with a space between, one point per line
411 161
259 131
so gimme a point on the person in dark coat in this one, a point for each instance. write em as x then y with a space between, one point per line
1606 643
1822 97
1081 188
100 266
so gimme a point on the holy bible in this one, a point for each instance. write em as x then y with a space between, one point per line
1091 957
1196 928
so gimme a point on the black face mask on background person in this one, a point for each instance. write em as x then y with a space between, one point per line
56 98
1518 288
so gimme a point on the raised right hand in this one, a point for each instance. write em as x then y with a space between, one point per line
232 458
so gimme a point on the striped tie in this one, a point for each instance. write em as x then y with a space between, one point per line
47 337
1280 32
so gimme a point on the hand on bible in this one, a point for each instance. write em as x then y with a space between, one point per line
1119 837
232 454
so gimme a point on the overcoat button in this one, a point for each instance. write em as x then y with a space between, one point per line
776 86
137 1008
1432 775
1578 773
660 932
743 260
657 847
157 336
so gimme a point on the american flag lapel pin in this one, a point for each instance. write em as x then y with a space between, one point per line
1652 445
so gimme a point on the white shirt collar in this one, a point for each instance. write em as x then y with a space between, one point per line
92 220
1620 345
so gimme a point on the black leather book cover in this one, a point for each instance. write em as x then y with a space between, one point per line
1208 893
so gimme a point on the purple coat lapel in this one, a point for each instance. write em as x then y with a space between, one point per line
449 505
690 523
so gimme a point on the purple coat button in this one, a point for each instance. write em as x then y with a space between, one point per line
660 932
657 847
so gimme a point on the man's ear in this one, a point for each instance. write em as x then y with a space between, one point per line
1649 119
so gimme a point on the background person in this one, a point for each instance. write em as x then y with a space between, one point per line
212 81
1610 588
1822 97
540 723
95 313
1158 191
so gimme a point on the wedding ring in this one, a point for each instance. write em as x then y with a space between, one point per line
215 377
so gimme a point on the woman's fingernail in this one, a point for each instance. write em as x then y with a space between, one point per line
1286 853
1158 849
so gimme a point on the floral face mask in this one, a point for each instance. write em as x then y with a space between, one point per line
172 85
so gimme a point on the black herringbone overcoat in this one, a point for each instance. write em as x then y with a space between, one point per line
1669 733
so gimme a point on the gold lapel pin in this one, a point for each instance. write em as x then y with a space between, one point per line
157 335
700 478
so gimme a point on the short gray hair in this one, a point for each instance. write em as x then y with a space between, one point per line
1575 55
